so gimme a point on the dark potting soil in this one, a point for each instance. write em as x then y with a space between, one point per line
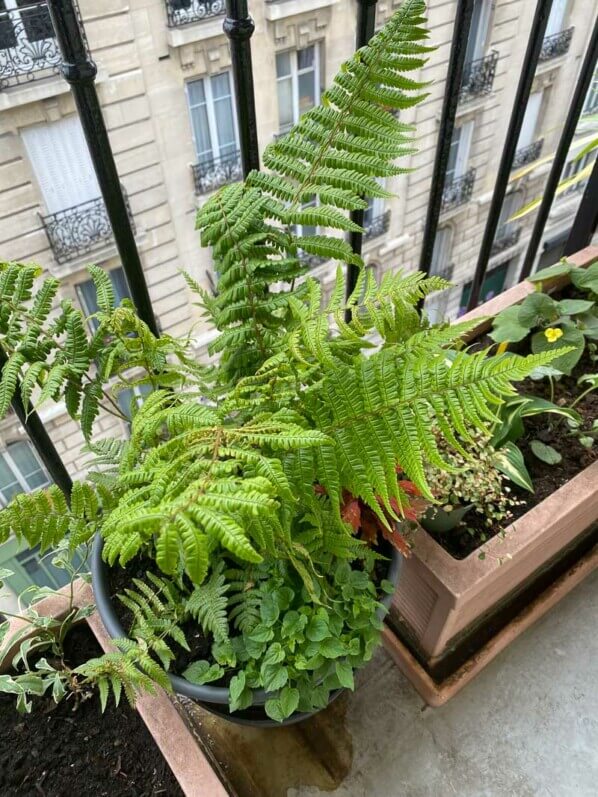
551 430
73 750
200 644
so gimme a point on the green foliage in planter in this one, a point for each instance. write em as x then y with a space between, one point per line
234 475
567 323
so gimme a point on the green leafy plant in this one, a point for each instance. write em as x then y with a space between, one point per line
567 323
236 479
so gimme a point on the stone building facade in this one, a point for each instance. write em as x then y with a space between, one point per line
165 88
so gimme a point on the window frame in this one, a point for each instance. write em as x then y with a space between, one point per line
215 145
19 478
294 78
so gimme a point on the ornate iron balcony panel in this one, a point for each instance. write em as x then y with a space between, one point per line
185 12
377 226
459 191
478 77
28 48
505 239
211 174
78 230
528 154
27 45
555 45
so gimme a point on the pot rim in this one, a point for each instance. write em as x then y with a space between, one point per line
201 692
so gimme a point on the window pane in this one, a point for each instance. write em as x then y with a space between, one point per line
220 86
453 152
27 464
196 92
285 103
119 283
87 297
7 32
225 125
36 21
201 133
283 64
9 486
305 58
307 92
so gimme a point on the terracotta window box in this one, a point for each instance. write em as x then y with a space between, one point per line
441 601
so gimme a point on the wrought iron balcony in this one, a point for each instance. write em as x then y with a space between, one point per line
446 272
28 48
478 77
528 154
458 191
555 45
506 237
311 260
377 225
185 12
215 172
78 230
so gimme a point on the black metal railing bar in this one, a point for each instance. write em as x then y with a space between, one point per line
584 81
211 174
366 26
524 86
454 80
239 26
80 72
186 12
586 219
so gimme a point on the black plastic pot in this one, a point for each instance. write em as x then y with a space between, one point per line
212 698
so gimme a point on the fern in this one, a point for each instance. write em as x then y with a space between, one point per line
157 612
208 603
328 159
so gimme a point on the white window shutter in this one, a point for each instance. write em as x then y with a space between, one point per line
61 162
530 120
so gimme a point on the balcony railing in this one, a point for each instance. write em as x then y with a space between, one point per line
458 191
377 225
528 154
185 12
215 172
28 48
555 45
78 230
478 77
505 238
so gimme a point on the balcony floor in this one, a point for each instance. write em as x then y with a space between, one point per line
526 727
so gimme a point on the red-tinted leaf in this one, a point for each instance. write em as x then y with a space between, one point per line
396 539
409 487
351 513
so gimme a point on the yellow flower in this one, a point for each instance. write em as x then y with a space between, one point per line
552 334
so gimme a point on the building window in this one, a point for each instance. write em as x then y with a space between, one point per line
132 398
297 83
591 102
86 293
459 152
573 171
213 123
61 163
441 254
20 471
478 31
